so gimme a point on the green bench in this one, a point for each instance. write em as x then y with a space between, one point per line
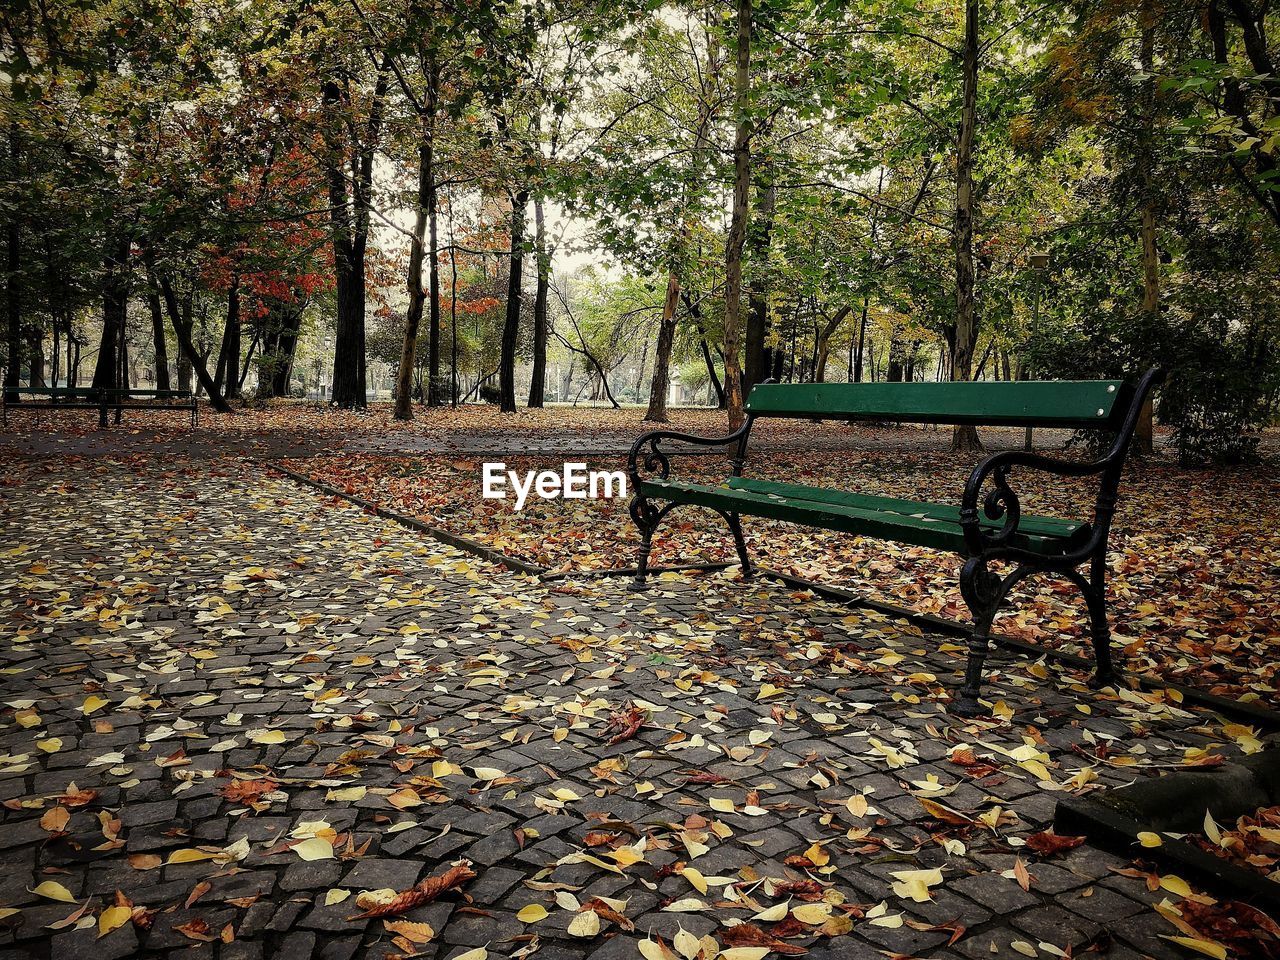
981 528
100 399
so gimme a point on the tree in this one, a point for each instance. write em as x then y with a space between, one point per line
965 438
349 153
738 225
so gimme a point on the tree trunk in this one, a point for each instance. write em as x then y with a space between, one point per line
286 347
413 279
511 321
754 368
435 390
1144 433
181 322
824 342
965 438
349 215
13 293
862 342
538 385
738 223
159 341
225 379
695 311
661 385
35 356
115 304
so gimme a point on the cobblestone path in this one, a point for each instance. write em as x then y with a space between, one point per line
235 709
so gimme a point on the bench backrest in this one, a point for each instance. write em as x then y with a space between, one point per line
1076 404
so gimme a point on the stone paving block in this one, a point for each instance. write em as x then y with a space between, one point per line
382 874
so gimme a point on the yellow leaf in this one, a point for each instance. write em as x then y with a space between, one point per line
686 944
189 855
812 912
488 773
626 856
1149 839
411 931
722 805
915 884
533 913
479 953
267 736
857 805
314 848
695 878
817 856
1211 829
52 890
113 918
92 704
652 950
768 690
52 745
404 798
336 895
585 925
1175 884
347 794
773 914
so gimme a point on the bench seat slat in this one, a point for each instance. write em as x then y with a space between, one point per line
1060 403
905 523
1039 526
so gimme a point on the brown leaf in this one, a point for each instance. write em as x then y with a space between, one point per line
606 912
196 929
422 893
78 798
1047 844
807 890
198 891
1020 872
55 820
248 791
749 935
627 722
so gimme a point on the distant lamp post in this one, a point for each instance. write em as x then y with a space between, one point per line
1039 265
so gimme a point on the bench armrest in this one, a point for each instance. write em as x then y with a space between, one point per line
1001 501
654 460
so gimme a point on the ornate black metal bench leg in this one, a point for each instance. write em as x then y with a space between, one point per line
1104 674
981 591
965 702
740 543
645 517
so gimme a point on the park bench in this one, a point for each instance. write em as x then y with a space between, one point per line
983 529
100 399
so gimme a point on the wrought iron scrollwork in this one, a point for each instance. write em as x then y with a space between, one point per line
1001 501
645 514
649 462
